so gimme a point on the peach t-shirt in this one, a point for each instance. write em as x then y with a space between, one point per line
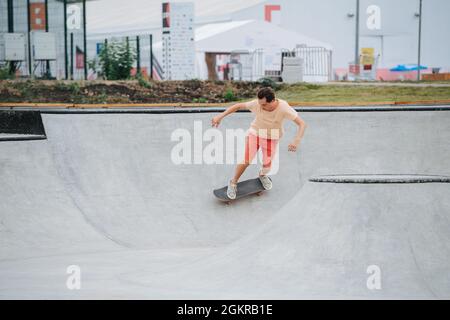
269 124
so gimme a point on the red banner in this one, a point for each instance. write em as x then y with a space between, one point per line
166 14
79 58
37 16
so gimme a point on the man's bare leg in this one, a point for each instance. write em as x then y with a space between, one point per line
240 168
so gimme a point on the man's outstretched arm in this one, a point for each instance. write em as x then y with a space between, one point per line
216 120
300 132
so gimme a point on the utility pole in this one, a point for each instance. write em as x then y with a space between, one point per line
151 56
357 38
138 51
71 57
420 40
30 65
85 42
66 60
47 62
10 9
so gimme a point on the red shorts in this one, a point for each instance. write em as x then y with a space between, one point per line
268 148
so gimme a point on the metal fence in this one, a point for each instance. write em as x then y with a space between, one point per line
26 17
317 62
141 45
246 65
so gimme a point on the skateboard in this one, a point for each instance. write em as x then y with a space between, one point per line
244 188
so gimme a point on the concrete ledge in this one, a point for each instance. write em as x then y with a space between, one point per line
176 109
21 137
62 105
381 178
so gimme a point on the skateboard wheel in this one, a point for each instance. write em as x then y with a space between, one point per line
259 193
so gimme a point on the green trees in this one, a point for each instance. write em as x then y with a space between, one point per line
116 60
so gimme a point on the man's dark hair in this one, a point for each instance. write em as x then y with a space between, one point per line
267 93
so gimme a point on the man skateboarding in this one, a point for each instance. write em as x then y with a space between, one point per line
264 132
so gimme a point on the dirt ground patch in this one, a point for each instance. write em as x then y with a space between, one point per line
132 91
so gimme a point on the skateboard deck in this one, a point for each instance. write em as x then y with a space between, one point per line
244 188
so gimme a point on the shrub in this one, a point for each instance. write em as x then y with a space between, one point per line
229 96
4 73
143 82
116 60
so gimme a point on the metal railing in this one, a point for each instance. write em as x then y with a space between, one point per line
317 62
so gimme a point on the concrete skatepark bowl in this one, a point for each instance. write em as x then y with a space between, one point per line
101 193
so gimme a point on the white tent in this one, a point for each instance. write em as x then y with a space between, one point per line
249 35
106 18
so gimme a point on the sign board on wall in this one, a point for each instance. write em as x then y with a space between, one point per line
37 16
43 45
14 46
73 17
367 56
373 21
99 47
272 13
178 40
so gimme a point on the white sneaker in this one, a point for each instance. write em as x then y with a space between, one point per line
232 190
266 182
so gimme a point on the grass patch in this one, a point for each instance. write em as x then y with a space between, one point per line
348 93
69 87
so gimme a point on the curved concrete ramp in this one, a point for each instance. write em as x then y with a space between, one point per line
323 243
103 193
118 170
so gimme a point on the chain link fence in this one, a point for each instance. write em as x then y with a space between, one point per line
30 17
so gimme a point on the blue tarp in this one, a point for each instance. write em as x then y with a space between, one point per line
407 67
